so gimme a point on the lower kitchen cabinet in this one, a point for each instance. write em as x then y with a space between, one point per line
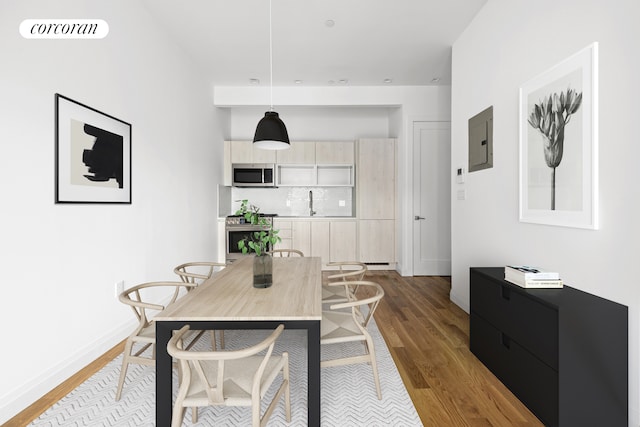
331 240
376 241
562 352
301 236
320 240
284 232
342 244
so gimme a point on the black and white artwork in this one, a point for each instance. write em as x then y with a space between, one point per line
558 144
93 155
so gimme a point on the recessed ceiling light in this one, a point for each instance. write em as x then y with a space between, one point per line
329 23
387 81
254 81
343 81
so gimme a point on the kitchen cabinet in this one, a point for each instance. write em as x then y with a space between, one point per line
304 164
376 201
301 236
342 240
376 182
245 152
285 233
309 152
299 152
329 239
562 352
304 175
376 241
321 164
335 153
320 240
295 175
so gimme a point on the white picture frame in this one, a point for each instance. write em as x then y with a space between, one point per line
92 155
559 144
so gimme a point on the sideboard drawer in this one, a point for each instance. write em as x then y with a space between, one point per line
530 379
530 323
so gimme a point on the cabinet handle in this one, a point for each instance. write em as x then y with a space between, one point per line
506 341
506 293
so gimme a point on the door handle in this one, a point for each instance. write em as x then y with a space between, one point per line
418 217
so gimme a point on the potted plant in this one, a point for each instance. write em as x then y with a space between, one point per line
258 242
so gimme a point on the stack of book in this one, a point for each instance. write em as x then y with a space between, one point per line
531 277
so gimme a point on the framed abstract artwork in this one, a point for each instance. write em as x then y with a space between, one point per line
92 155
559 144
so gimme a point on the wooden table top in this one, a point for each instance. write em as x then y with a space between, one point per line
229 295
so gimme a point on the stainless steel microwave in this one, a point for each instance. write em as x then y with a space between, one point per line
253 174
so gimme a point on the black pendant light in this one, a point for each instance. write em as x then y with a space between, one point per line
271 133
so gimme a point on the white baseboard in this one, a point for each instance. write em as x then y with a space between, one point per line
458 301
16 400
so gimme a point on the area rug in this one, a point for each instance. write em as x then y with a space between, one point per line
348 396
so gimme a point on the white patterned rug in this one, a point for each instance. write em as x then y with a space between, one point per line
348 396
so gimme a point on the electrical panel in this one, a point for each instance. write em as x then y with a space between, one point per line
481 140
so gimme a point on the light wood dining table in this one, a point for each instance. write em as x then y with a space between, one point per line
228 300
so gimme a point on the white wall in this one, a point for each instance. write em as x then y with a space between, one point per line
507 44
316 123
60 262
339 113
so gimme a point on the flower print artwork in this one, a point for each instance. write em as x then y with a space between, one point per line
550 117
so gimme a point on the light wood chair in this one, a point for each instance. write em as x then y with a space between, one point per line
196 273
339 287
144 336
339 326
286 252
230 378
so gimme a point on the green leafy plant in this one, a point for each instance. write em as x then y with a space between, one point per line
258 241
550 117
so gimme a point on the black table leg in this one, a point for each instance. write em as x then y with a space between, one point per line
313 372
164 380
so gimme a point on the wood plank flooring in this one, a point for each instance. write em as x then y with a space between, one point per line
428 337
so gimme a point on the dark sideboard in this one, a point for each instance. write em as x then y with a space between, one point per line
562 352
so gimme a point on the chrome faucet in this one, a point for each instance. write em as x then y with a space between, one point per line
311 211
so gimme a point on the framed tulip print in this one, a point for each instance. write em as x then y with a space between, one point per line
93 155
558 144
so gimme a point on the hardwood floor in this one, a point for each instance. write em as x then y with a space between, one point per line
34 410
428 337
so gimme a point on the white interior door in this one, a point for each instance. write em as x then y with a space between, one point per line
432 198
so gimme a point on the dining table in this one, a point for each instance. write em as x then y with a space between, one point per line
228 300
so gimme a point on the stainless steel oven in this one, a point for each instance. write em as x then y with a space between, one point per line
237 229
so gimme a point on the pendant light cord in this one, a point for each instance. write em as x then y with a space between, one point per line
270 58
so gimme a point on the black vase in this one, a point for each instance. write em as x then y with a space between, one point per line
262 271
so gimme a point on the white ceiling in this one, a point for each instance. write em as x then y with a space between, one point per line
408 41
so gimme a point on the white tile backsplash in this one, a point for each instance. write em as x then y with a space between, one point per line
294 201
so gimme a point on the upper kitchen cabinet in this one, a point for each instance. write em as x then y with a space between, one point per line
376 179
321 164
246 152
300 152
321 153
335 153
